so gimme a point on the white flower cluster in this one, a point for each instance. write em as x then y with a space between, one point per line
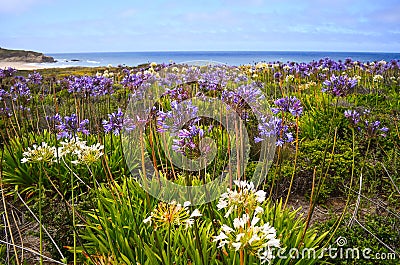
289 78
244 233
247 235
83 153
79 151
378 78
106 73
245 198
39 154
172 214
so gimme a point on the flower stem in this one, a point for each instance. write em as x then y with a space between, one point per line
40 216
169 244
73 214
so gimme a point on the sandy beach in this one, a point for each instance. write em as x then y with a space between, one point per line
21 65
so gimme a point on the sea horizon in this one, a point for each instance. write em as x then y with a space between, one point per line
93 59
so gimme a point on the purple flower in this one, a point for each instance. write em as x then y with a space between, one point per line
5 112
69 126
213 80
339 86
161 118
277 75
9 72
371 128
291 105
89 86
134 80
374 128
115 122
274 127
3 94
353 116
35 78
20 90
188 141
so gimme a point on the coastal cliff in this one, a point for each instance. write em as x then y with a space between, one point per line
7 55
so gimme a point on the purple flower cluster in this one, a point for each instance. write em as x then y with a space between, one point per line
134 80
360 120
20 90
178 93
213 80
8 72
353 116
116 122
35 78
161 125
274 127
93 86
69 126
291 105
374 128
187 142
5 112
339 86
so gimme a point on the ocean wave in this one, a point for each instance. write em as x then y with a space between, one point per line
90 61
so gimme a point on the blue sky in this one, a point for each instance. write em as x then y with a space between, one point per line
178 25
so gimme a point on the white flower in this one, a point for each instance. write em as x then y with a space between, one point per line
236 245
222 204
260 196
89 154
377 78
220 237
71 146
247 235
253 238
147 220
239 236
240 222
39 154
226 229
196 213
245 197
186 204
289 78
258 210
255 221
188 223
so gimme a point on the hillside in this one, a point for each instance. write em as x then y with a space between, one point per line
7 55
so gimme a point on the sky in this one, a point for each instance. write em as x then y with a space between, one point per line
59 26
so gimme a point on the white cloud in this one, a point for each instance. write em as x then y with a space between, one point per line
19 6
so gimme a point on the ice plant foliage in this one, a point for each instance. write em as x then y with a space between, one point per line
168 215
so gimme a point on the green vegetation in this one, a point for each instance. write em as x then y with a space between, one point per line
75 179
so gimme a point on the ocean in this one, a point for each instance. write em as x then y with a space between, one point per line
226 57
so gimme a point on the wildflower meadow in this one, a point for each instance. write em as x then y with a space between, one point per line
201 163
